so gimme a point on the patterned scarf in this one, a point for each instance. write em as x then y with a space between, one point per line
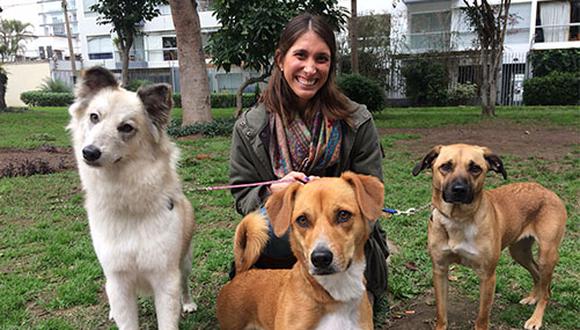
295 147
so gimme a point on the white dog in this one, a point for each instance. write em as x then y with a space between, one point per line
141 223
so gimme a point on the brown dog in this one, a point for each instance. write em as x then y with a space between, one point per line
471 226
330 220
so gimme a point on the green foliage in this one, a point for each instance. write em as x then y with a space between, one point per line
426 81
55 86
46 99
12 33
223 100
557 88
250 29
362 90
462 94
135 84
545 62
216 127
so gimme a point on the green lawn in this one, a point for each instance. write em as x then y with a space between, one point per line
50 278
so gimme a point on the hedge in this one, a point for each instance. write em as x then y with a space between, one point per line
362 90
557 88
48 99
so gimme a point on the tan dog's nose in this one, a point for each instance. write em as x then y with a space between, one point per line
321 258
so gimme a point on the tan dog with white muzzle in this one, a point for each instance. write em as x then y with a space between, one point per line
471 226
330 220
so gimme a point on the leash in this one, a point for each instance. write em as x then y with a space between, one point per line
408 212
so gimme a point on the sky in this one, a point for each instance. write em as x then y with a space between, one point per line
363 6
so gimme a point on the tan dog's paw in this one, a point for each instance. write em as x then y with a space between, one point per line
533 324
529 300
189 308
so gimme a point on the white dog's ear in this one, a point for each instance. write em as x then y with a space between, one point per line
369 191
158 101
93 80
279 207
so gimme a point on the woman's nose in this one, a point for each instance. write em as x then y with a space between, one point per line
310 67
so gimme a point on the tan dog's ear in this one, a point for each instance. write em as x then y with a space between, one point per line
427 161
279 207
369 191
494 162
158 101
93 80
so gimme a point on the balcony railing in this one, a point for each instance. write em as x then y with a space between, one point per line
557 33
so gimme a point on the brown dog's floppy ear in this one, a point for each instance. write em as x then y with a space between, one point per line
369 191
427 161
494 162
93 80
158 101
279 207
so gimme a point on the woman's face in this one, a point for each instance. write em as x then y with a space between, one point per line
306 66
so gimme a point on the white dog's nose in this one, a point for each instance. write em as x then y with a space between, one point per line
91 153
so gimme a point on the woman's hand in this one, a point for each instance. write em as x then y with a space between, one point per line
289 179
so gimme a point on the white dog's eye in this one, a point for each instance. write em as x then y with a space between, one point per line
125 128
94 118
343 216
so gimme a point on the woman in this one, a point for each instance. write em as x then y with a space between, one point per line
303 128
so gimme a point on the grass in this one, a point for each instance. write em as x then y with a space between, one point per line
50 278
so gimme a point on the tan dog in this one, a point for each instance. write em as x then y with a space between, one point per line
472 226
330 220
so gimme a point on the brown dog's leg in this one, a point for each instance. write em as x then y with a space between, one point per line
441 285
486 294
548 257
521 251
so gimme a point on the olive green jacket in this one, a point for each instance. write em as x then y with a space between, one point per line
250 158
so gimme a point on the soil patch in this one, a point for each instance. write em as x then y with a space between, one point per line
503 138
42 160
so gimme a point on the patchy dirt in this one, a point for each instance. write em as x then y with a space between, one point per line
42 160
503 138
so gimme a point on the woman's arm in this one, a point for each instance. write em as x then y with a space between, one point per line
367 153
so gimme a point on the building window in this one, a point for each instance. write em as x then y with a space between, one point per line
100 47
169 48
430 30
558 21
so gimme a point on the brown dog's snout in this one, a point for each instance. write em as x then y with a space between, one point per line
321 259
458 191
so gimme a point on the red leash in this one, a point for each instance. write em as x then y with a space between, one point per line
244 185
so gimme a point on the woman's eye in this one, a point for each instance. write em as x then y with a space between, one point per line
302 221
343 216
125 128
94 118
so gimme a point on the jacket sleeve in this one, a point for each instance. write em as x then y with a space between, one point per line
367 153
243 169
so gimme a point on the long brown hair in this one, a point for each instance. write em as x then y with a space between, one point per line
279 97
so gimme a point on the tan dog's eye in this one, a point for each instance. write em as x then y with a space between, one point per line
302 221
94 118
474 169
343 216
447 167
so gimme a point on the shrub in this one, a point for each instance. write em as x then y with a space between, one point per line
557 88
135 84
223 100
213 128
426 82
462 94
47 99
362 90
545 62
55 86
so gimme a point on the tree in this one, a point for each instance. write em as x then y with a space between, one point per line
126 16
195 95
250 30
353 32
3 83
490 24
12 33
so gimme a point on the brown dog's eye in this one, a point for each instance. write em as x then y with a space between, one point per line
302 221
474 169
447 167
125 128
343 216
94 118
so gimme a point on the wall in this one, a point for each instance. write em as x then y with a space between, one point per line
22 78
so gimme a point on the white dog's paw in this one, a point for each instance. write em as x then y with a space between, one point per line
189 308
111 315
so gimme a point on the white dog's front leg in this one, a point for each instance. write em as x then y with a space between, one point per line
123 301
168 300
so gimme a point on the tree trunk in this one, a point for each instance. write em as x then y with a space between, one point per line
240 91
195 94
353 38
125 67
3 82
